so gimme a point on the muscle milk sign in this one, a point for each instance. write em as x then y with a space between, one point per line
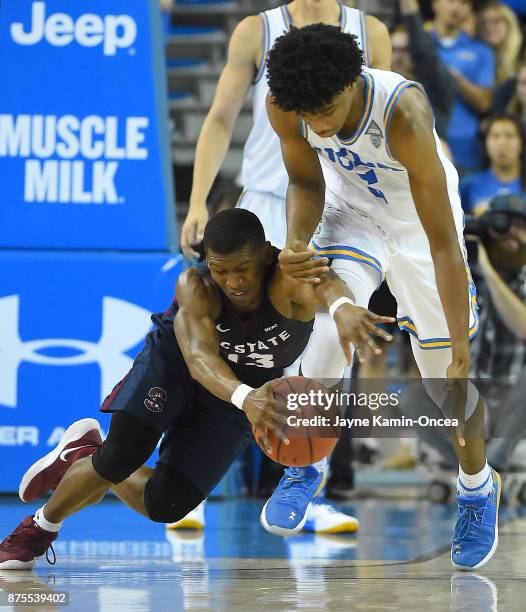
84 154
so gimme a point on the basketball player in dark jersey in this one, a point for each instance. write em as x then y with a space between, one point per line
205 375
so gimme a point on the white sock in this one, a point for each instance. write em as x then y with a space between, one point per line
475 484
43 523
322 466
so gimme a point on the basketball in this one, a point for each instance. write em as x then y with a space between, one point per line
311 423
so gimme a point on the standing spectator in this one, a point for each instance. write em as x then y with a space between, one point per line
500 29
417 58
472 65
504 176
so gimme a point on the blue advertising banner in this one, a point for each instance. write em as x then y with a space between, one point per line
84 153
71 324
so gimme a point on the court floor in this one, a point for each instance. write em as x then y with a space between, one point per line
111 559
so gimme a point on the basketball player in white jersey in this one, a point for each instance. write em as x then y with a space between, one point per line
389 206
263 176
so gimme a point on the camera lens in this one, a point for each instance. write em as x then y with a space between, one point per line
500 222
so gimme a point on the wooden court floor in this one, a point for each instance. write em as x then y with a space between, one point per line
110 559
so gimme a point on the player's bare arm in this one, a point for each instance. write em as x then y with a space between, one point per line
305 195
412 143
355 324
195 330
379 43
244 53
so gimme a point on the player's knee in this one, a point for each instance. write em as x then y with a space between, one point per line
114 461
169 495
128 445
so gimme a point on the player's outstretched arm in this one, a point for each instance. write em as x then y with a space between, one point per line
305 196
216 132
412 143
198 340
379 43
355 324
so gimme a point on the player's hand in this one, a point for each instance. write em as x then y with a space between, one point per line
298 261
261 410
193 230
355 326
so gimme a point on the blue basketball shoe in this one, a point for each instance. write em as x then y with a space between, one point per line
285 513
477 530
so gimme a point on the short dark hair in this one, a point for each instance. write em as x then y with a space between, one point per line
232 230
308 66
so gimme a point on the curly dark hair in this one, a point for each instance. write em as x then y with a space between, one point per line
308 66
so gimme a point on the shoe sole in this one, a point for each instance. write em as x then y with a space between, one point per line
347 527
281 531
186 524
13 564
73 432
495 541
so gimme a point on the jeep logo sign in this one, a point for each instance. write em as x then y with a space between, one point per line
113 32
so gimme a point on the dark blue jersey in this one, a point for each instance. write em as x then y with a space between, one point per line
257 347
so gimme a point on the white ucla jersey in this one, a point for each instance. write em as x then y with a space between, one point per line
263 169
361 171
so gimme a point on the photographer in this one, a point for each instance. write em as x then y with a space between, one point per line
499 351
497 241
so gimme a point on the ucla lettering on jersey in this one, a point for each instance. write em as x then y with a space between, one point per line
361 170
263 169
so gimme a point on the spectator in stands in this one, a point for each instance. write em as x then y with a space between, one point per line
500 29
510 95
499 351
469 19
517 104
416 57
505 147
472 65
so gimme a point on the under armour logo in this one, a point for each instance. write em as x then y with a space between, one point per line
123 326
156 399
292 515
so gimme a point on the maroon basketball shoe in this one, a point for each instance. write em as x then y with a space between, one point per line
79 440
27 542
